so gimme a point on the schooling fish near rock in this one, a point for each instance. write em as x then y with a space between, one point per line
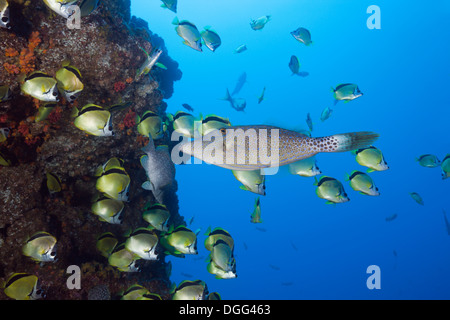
302 35
44 111
88 6
4 133
190 290
372 158
213 122
108 210
183 123
346 92
189 32
240 49
255 217
69 82
362 182
305 168
22 286
252 181
428 161
210 38
151 125
170 4
157 215
93 120
221 261
5 93
332 190
150 61
216 235
179 241
114 183
294 65
284 146
40 247
40 86
61 7
106 243
143 242
123 259
259 23
445 167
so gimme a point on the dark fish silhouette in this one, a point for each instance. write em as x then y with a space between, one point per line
187 107
240 83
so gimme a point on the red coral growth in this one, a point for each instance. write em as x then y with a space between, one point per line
119 86
34 40
129 80
11 52
30 140
11 68
3 118
55 115
23 128
129 121
27 61
142 140
27 58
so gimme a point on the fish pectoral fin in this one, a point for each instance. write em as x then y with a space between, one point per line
147 185
244 188
160 65
144 161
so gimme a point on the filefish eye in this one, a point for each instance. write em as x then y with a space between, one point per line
5 19
72 98
54 94
53 254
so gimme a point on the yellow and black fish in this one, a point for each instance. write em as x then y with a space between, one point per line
4 14
41 86
69 82
23 286
53 183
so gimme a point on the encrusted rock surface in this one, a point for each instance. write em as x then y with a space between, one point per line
107 51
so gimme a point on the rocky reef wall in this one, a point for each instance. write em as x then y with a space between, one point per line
107 51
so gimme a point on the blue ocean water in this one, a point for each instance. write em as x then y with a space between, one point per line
311 250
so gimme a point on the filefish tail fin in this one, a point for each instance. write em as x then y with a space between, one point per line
344 142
